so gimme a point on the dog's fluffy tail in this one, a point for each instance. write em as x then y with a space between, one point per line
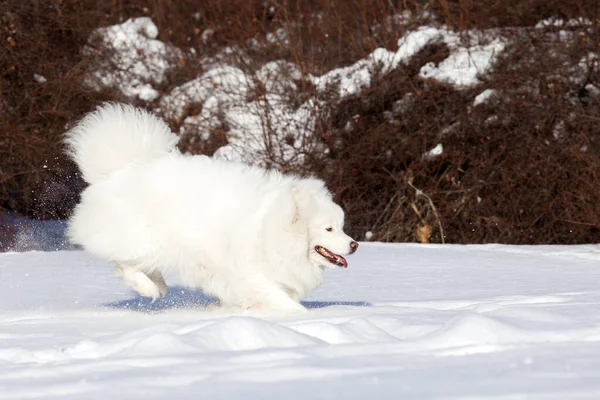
116 136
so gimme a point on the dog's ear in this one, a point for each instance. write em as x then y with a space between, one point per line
302 198
304 192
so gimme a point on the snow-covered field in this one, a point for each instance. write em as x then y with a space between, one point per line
403 322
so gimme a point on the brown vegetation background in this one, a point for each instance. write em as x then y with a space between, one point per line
522 168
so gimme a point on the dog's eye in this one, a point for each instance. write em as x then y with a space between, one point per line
330 229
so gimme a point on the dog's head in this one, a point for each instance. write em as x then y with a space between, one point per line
324 223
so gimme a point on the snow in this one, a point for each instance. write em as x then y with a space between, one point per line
41 79
436 151
558 22
254 108
353 78
465 64
223 93
247 141
484 96
403 321
414 42
467 60
141 59
267 130
32 234
461 68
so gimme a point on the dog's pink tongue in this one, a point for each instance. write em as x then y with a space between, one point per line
341 260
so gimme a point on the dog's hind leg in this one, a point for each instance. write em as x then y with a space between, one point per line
152 285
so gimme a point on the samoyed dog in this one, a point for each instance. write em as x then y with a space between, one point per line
255 239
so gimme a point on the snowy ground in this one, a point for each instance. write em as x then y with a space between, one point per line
403 322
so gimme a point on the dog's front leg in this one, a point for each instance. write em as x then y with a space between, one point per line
271 298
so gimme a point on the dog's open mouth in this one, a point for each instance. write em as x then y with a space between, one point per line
333 258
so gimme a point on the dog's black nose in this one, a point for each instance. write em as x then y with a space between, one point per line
353 246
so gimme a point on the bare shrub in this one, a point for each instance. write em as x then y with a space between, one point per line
409 158
519 168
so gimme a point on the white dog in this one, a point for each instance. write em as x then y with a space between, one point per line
255 239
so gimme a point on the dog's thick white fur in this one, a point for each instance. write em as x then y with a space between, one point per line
244 235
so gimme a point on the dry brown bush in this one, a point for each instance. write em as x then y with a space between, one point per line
41 39
466 14
504 175
521 168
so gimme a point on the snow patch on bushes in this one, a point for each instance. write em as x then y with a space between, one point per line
137 62
253 107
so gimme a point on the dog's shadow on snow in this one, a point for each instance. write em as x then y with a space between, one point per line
179 297
322 304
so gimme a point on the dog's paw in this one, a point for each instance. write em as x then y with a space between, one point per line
141 283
